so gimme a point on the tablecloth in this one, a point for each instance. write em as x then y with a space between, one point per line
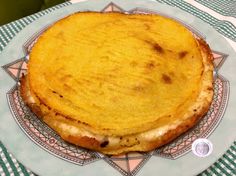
220 14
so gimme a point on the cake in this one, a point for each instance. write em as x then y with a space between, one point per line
115 83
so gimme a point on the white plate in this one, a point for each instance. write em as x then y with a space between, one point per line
41 154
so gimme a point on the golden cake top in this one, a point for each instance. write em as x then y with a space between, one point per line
117 74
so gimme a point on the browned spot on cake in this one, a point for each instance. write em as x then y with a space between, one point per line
158 48
202 73
104 144
166 79
209 88
150 65
182 54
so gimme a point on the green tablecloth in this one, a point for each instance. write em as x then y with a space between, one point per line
221 14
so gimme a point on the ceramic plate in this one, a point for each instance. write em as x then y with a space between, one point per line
39 148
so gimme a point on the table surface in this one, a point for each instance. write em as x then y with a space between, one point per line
220 14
